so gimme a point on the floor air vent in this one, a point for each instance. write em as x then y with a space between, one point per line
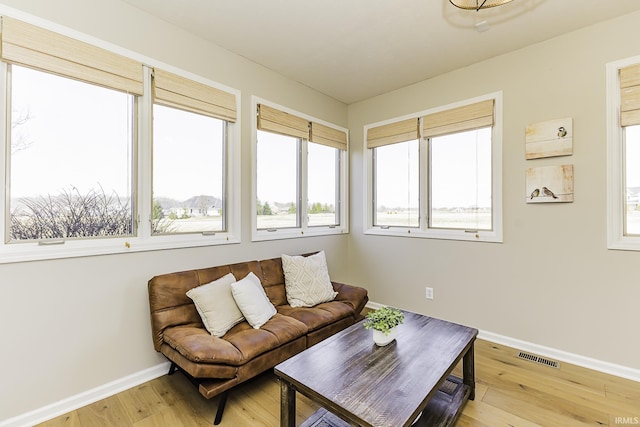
539 360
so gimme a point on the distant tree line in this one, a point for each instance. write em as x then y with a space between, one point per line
314 208
263 208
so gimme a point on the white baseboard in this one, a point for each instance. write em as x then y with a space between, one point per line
564 356
85 398
552 353
374 305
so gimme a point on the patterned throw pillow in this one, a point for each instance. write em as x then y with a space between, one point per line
306 280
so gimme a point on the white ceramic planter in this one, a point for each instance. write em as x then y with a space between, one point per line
381 339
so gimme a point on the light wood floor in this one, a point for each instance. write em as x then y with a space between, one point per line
510 392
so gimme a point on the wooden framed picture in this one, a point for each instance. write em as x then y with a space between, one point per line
549 184
551 138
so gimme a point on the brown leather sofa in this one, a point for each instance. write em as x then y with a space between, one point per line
214 364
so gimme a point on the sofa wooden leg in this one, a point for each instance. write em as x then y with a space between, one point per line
219 412
172 368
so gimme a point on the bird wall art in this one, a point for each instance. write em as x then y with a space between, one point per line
549 184
549 139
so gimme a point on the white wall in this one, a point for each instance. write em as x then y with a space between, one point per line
73 325
552 282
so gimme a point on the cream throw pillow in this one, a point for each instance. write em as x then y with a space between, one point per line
216 305
306 280
252 300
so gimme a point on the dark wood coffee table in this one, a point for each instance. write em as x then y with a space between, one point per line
358 383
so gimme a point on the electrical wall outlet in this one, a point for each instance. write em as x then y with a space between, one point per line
428 293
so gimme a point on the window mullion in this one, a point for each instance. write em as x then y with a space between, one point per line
144 147
374 183
225 178
303 193
338 187
423 183
5 113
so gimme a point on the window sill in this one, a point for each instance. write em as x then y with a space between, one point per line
31 251
296 233
480 236
624 243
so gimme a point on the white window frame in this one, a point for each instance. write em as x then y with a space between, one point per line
143 240
493 235
616 193
304 230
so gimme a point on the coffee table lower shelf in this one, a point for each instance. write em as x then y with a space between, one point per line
442 410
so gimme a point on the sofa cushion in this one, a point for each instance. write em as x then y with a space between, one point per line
319 316
241 344
307 280
273 280
216 306
252 300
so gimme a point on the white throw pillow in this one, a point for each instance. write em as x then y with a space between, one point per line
252 300
216 305
306 280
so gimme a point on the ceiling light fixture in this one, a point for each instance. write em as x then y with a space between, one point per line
478 4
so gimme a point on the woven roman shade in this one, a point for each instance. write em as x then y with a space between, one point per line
392 133
44 50
325 135
179 92
630 95
273 120
460 119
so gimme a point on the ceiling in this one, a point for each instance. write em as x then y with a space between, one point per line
355 49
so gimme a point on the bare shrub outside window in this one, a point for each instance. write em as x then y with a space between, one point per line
71 215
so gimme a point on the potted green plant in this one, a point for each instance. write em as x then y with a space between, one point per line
384 322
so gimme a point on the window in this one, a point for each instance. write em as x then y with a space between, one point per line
324 185
71 159
298 159
188 187
396 184
277 181
394 150
632 180
623 147
105 155
190 122
460 184
437 174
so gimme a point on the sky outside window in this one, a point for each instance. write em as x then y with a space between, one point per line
461 170
187 154
67 134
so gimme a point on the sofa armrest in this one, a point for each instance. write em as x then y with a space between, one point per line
355 296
